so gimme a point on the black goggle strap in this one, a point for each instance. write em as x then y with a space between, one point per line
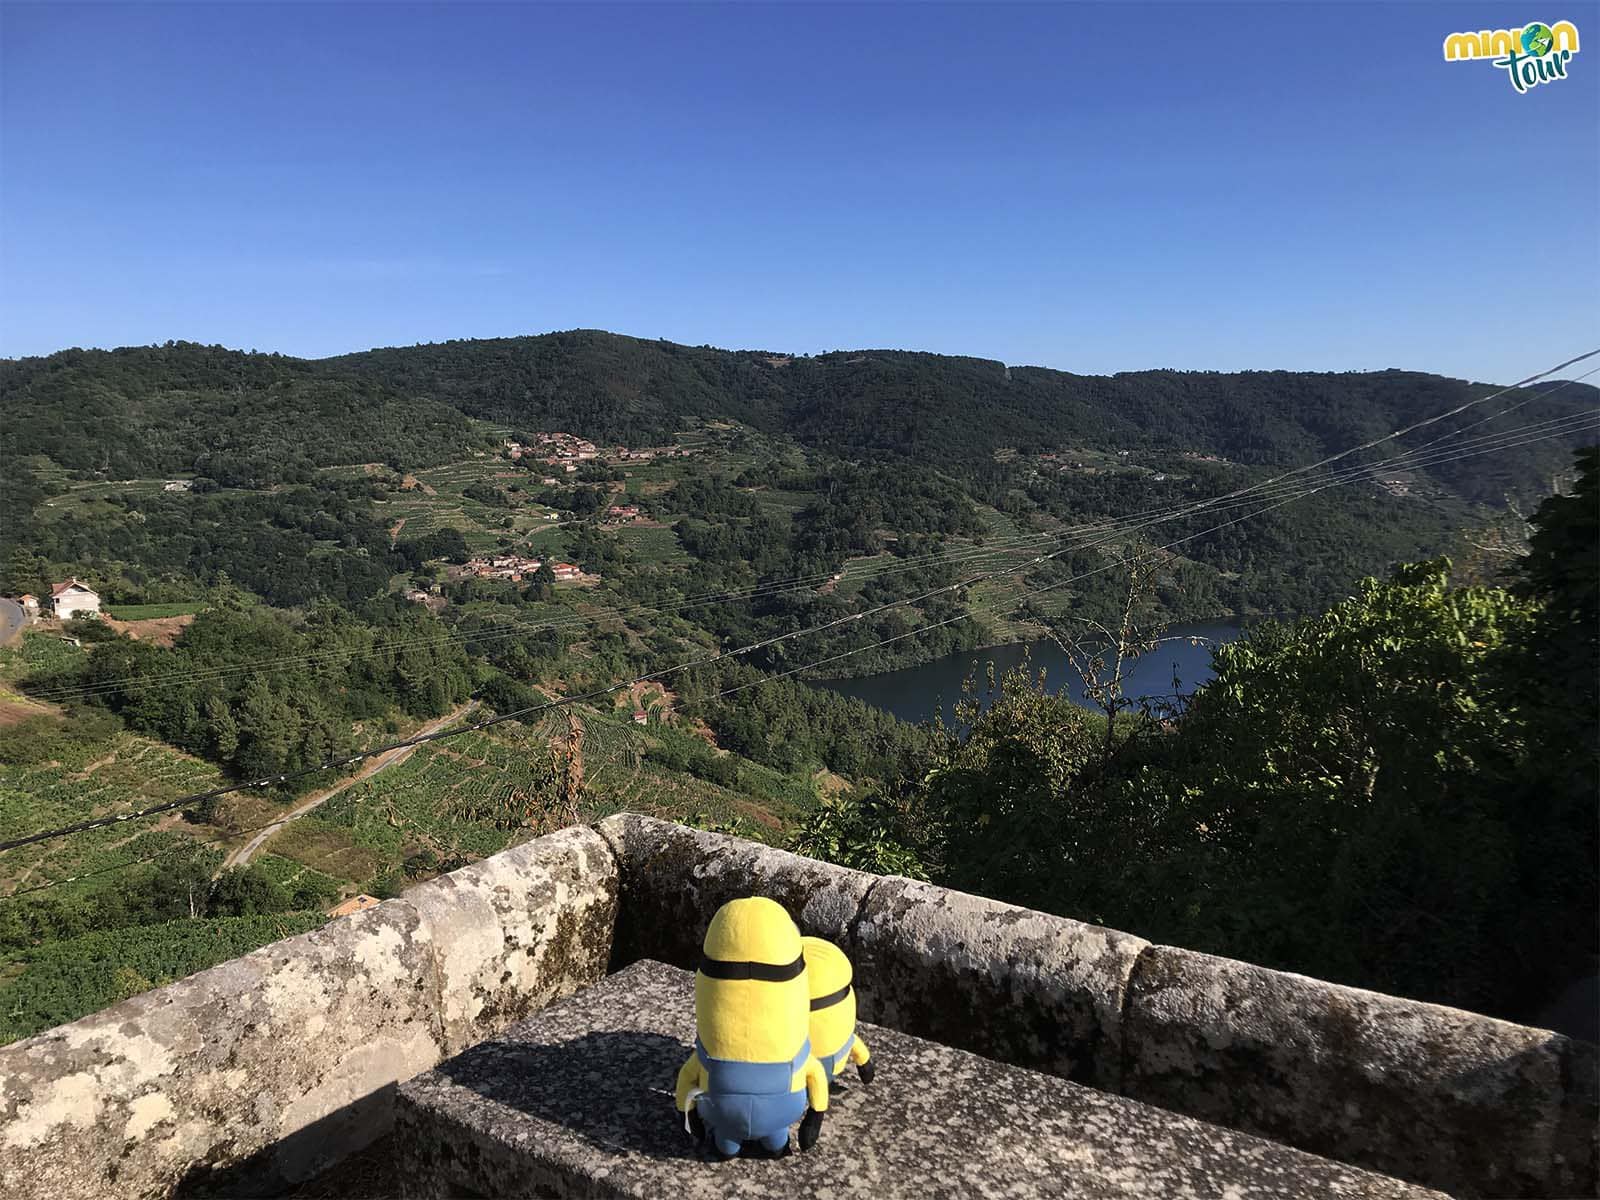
716 968
830 999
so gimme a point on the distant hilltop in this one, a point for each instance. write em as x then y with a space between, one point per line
155 411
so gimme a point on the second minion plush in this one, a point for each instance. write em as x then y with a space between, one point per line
752 1073
833 1010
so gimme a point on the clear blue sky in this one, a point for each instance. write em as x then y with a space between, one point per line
1091 188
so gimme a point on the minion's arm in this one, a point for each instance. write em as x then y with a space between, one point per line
691 1075
816 1086
817 1096
862 1057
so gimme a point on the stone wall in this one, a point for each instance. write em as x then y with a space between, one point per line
1442 1097
266 1069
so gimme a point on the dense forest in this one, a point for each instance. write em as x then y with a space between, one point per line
189 408
246 420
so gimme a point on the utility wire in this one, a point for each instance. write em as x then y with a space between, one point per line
998 607
770 589
763 643
346 760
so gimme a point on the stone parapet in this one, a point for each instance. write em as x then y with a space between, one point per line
519 929
266 1069
1006 982
675 878
577 1102
1466 1103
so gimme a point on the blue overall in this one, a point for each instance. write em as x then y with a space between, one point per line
746 1101
831 1061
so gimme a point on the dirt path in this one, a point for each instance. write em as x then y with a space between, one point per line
244 853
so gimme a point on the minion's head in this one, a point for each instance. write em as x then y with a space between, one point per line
755 932
827 969
751 1002
831 999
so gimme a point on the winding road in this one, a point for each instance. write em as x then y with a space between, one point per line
241 857
12 619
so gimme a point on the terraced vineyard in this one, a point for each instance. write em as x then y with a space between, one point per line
476 794
454 798
286 872
49 777
651 544
618 777
63 980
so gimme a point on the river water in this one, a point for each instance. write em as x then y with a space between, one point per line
916 693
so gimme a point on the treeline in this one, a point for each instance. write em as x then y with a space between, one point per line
265 693
956 412
290 547
786 724
901 446
1397 794
1251 558
154 410
243 420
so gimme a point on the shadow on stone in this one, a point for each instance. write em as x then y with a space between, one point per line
280 1168
606 1087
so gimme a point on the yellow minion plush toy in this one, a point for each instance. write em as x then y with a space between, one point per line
833 1010
752 1072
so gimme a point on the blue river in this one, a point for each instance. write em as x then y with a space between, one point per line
916 693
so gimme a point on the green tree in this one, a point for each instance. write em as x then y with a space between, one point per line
1556 676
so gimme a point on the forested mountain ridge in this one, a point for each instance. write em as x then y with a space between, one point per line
952 410
205 410
241 419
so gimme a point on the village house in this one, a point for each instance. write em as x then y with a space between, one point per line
566 445
640 717
502 566
74 599
623 512
565 570
416 595
30 603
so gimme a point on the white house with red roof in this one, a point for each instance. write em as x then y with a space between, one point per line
74 599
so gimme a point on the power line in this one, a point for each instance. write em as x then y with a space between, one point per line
767 590
347 760
1019 601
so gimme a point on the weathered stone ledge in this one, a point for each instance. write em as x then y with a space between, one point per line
577 1102
1446 1098
266 1069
